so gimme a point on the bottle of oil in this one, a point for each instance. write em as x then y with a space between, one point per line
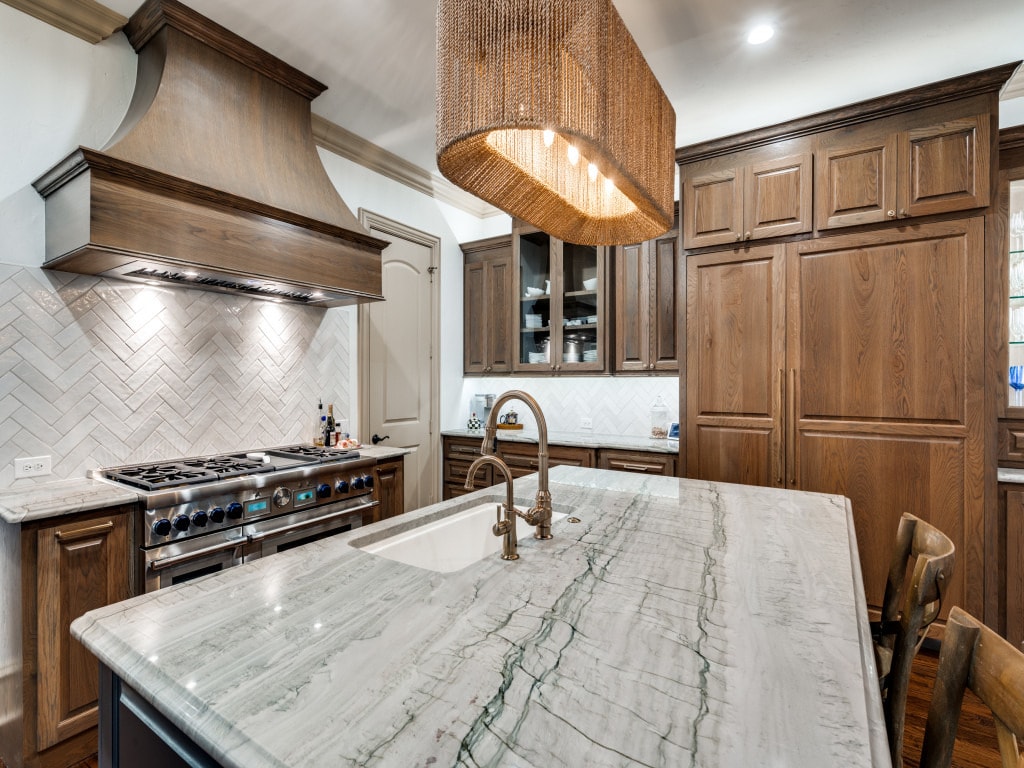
329 426
318 430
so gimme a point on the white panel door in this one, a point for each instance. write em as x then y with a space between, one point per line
398 344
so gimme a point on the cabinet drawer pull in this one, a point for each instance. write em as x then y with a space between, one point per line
639 467
84 533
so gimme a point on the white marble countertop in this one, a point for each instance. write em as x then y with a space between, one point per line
680 623
576 439
61 497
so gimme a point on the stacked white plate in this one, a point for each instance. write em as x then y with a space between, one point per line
590 357
532 321
538 357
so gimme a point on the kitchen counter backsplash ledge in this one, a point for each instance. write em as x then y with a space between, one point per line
577 440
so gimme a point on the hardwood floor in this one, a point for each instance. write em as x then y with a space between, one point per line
976 745
976 736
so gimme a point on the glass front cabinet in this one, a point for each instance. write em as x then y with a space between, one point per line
1015 382
560 289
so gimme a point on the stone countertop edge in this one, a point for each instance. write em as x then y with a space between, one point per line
382 453
722 585
577 440
60 497
1010 475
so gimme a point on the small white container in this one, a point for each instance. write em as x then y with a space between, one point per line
532 321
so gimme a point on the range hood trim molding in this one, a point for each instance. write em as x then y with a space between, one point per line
84 159
151 17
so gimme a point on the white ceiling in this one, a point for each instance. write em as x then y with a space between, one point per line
377 56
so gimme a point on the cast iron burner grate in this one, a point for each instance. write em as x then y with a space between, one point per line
315 453
152 477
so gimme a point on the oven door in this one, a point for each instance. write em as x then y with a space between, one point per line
279 534
189 559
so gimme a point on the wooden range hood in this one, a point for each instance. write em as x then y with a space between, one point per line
212 180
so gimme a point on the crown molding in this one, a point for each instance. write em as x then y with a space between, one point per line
85 19
343 142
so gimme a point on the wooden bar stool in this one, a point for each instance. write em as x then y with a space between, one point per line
975 657
908 609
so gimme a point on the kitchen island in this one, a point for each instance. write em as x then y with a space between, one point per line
678 623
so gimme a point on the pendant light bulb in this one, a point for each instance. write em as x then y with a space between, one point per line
574 154
549 137
592 172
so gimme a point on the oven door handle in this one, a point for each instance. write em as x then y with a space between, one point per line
257 537
168 562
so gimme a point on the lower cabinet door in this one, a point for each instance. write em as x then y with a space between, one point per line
82 565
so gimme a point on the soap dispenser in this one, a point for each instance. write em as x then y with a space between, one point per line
659 419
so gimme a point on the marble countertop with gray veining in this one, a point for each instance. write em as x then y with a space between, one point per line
61 497
577 439
1010 475
680 623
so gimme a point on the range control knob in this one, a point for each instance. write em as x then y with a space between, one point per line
358 483
323 491
162 527
282 497
217 515
342 486
200 518
181 522
368 481
234 510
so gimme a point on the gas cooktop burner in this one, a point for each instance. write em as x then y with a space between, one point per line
229 466
153 477
317 453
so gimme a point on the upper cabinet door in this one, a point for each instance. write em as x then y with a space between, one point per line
632 317
751 201
777 197
713 208
498 289
944 167
856 183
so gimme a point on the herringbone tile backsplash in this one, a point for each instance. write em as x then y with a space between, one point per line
97 372
617 405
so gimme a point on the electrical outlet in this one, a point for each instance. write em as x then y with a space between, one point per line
586 423
32 466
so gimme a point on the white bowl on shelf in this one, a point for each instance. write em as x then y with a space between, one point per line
532 293
590 285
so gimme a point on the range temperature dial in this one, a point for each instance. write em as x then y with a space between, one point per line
282 497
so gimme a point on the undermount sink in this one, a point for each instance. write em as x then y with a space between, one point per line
451 543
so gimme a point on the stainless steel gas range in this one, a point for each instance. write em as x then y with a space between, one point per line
208 513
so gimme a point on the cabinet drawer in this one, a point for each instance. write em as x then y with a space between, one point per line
521 458
456 471
641 462
1011 443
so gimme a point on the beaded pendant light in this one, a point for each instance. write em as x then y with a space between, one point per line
548 110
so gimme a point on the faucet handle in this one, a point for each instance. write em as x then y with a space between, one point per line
503 525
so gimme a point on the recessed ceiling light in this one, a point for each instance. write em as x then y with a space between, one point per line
760 34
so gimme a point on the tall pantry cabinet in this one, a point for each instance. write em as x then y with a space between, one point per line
852 358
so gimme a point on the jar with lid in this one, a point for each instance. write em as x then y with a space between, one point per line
659 418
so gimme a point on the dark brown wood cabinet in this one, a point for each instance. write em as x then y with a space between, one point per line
521 458
560 291
845 365
641 462
389 488
458 454
861 363
487 306
877 173
69 565
1009 560
649 302
748 196
736 325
